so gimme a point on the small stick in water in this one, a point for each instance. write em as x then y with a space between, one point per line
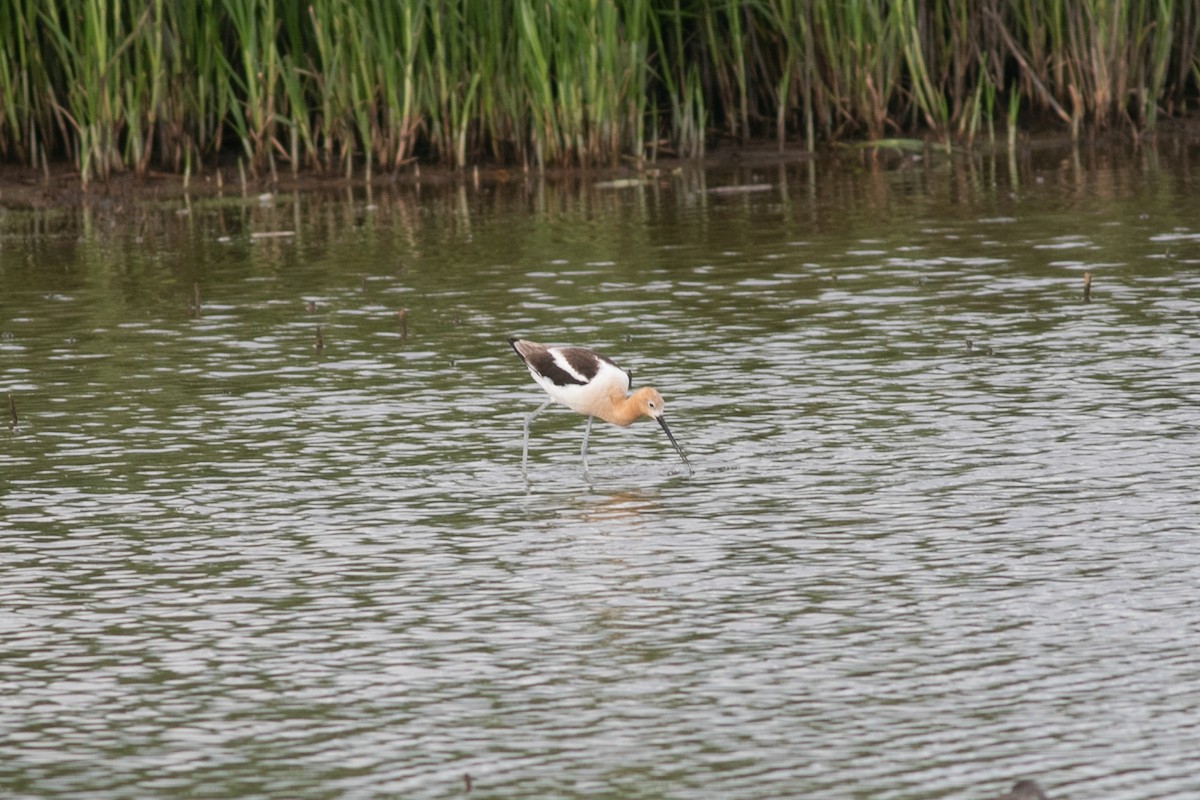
1087 287
194 305
319 344
12 411
402 315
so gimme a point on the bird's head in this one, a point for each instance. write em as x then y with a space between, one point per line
649 402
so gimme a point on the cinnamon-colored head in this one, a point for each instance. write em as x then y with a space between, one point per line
648 402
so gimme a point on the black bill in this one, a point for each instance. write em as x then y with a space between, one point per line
662 420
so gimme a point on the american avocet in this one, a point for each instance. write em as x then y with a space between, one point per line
590 384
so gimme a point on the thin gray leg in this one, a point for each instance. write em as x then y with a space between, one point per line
525 447
583 450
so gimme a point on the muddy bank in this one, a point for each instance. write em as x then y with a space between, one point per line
22 187
60 186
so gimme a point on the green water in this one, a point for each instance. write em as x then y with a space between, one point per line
940 533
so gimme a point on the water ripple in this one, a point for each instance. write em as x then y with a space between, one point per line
939 535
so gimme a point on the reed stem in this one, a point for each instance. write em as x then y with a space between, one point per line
326 83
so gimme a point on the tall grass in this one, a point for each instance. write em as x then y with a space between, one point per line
364 85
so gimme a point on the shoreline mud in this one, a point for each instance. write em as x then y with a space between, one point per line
59 185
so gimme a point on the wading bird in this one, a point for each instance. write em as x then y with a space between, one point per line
590 384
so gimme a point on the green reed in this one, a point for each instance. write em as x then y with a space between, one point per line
345 85
22 81
92 92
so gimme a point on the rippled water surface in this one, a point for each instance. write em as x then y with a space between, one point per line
941 533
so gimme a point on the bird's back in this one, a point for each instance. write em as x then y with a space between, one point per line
577 377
